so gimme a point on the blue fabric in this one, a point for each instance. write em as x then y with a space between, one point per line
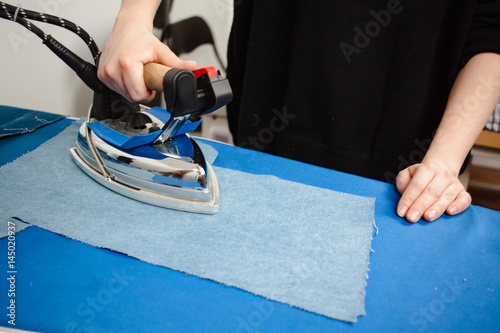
424 277
17 121
297 244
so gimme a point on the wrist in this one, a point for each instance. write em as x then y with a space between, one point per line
444 161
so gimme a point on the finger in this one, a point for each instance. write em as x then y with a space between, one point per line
111 75
168 58
403 179
443 185
460 204
133 80
422 177
449 195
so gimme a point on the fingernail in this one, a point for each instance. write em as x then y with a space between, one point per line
414 216
453 210
432 215
402 211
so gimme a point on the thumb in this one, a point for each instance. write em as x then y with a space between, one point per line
403 179
166 57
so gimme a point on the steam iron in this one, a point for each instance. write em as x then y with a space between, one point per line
142 153
147 155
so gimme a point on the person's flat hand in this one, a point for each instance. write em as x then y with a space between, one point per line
129 47
428 191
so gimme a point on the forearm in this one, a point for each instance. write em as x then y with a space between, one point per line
139 11
471 101
432 187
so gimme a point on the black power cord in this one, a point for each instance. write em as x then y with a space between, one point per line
21 16
106 103
85 70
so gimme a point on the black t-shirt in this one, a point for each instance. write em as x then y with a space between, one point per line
356 86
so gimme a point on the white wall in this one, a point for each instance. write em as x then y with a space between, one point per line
219 15
34 78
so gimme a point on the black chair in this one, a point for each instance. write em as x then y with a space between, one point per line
186 35
162 17
183 36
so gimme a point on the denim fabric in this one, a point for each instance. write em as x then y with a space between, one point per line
293 243
16 121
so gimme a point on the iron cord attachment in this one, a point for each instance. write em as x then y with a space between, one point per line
21 16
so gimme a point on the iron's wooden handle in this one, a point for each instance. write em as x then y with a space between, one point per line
154 74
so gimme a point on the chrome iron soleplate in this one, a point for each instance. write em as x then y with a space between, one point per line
151 197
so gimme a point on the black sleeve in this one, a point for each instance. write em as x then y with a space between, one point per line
484 30
237 58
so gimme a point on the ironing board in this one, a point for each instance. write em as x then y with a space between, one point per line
442 276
